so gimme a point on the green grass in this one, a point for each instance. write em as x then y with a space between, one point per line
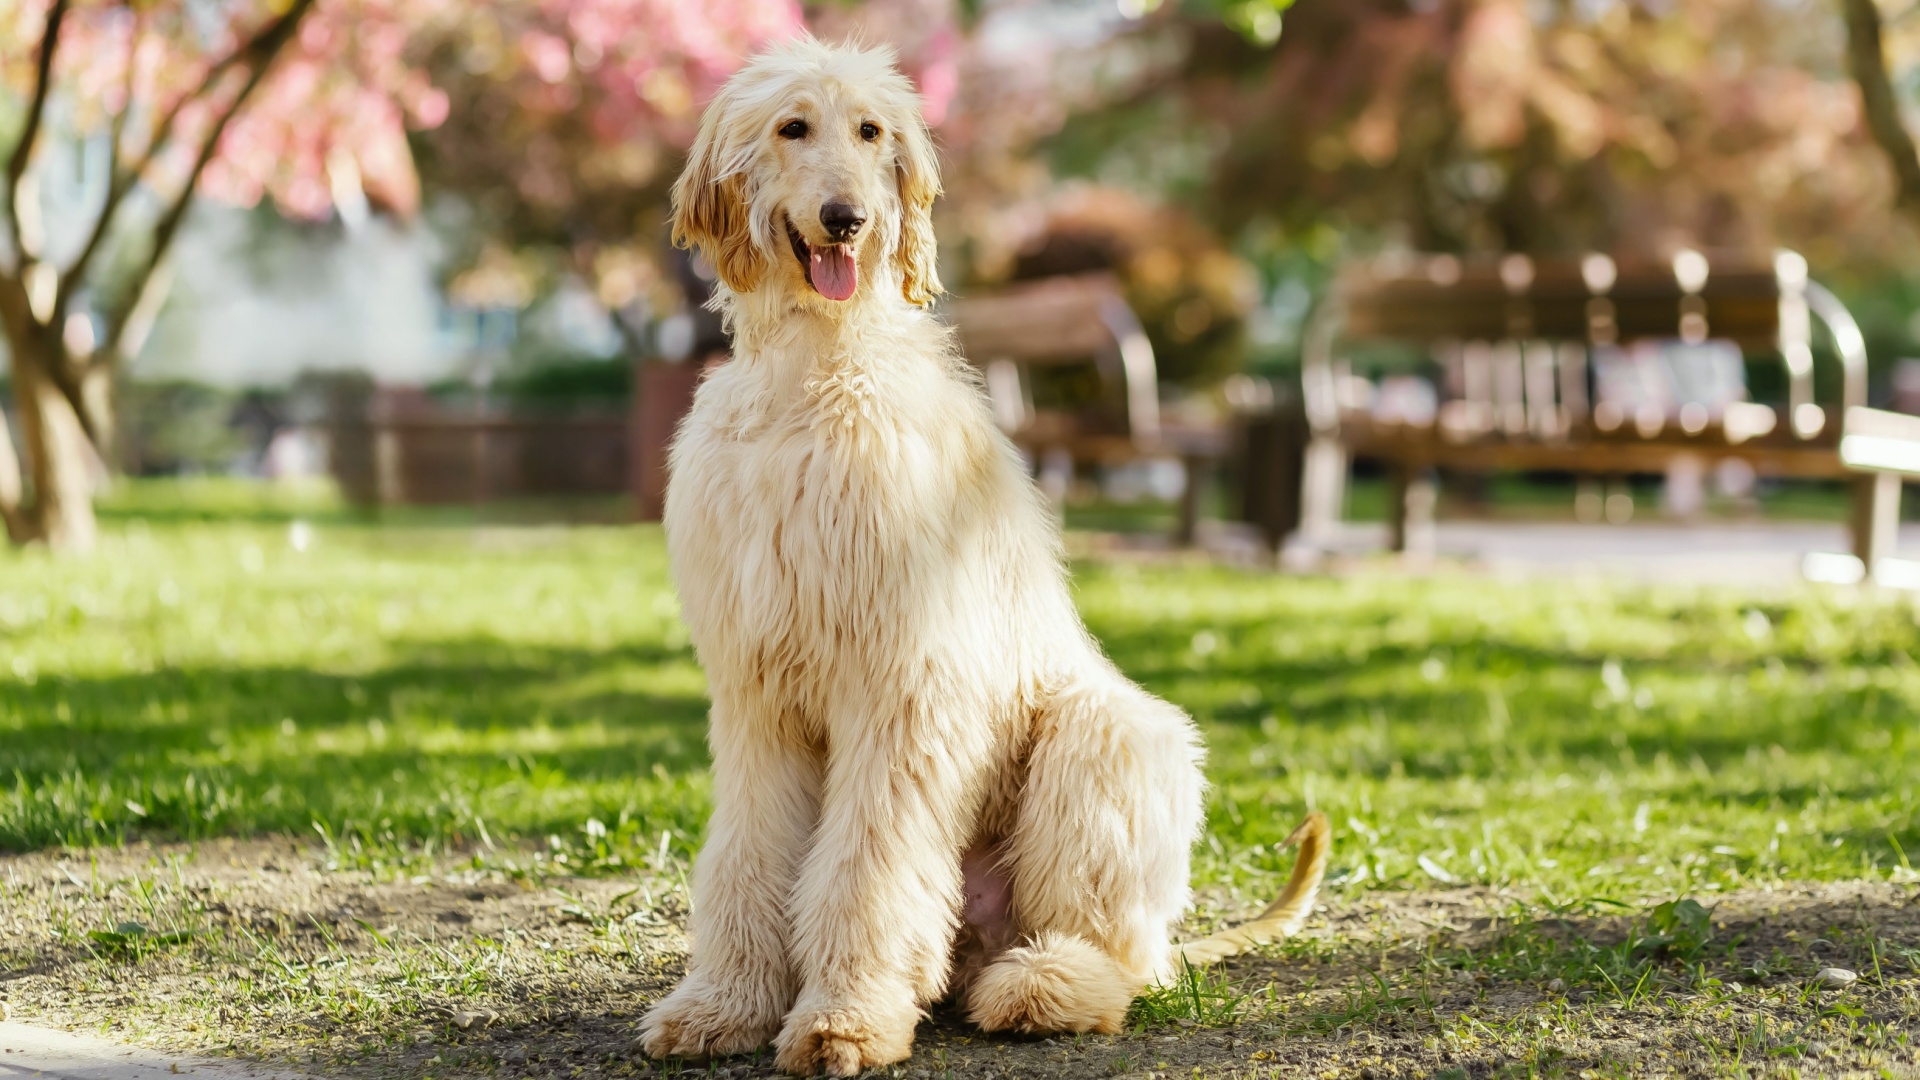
450 707
1511 497
415 686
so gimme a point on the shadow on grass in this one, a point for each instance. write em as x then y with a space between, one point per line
1551 700
524 738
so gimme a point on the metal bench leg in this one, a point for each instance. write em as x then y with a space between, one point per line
1323 490
1876 517
1589 501
1055 476
1190 495
1619 505
1410 511
1271 452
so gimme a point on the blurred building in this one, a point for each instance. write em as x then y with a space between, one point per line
256 301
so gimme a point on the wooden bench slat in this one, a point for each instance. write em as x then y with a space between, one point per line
1874 440
1053 320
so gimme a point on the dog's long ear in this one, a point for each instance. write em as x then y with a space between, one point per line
918 173
710 206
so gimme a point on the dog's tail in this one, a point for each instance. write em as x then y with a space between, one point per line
1283 917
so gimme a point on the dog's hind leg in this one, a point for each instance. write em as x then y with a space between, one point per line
1098 860
740 982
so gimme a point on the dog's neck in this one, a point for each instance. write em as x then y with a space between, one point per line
772 324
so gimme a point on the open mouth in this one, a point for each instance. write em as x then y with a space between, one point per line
831 270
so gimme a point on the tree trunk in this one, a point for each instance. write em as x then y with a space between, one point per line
59 461
12 510
1880 102
97 394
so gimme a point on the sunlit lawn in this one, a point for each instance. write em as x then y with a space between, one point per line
391 688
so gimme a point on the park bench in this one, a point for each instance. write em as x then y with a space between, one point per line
1076 331
1600 369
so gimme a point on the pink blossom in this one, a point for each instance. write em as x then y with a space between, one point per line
353 80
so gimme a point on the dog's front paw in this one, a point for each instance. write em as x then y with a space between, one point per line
701 1019
841 1042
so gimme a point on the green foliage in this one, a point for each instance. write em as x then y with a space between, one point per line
133 939
174 426
1624 958
1259 21
570 381
1681 928
1202 996
551 381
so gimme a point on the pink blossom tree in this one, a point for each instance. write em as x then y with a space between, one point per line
549 109
573 116
296 101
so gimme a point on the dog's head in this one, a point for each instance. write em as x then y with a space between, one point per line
813 173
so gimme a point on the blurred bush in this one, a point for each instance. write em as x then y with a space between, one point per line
1191 294
175 426
545 381
568 380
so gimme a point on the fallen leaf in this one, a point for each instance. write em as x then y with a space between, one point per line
466 1019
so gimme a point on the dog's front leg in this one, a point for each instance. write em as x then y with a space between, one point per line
740 980
875 907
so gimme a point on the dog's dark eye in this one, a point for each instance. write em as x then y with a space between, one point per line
794 129
869 131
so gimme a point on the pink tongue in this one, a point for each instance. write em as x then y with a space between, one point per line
833 271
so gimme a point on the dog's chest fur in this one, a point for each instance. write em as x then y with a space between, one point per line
824 513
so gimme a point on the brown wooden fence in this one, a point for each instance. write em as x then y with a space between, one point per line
395 446
418 460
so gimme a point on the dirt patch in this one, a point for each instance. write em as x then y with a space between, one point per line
507 966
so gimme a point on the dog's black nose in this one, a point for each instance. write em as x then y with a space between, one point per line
842 220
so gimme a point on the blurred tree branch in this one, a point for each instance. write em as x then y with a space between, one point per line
310 103
258 54
1867 60
30 132
122 179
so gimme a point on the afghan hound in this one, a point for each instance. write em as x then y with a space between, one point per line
928 778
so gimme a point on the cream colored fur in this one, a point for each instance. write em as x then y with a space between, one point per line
897 669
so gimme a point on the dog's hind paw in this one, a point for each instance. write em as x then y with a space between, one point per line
1058 983
699 1020
840 1042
